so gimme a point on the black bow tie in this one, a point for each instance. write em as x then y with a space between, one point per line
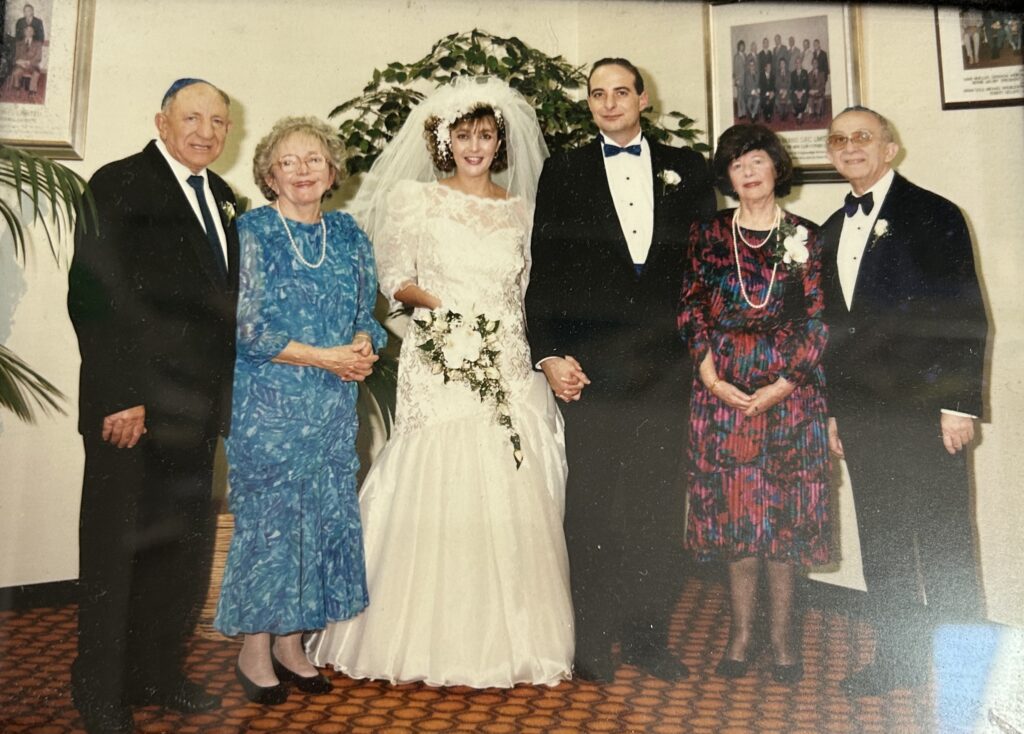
866 202
611 149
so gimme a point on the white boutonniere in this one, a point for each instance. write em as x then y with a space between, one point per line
228 210
880 230
792 249
669 180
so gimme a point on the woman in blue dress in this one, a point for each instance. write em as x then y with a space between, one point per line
306 335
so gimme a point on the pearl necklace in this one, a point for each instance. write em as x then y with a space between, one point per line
736 237
298 252
736 231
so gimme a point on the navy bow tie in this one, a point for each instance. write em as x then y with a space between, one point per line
866 202
611 149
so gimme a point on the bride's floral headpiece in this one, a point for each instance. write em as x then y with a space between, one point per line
517 164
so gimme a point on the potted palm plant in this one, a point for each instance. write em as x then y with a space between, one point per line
54 197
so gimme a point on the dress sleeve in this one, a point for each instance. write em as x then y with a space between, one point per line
261 331
802 343
397 243
366 299
694 301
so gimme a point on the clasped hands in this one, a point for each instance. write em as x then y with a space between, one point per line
751 404
350 362
566 377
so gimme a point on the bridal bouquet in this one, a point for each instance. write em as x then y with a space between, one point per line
465 349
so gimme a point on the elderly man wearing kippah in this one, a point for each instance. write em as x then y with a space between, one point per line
152 296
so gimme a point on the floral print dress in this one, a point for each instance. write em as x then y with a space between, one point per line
296 557
759 484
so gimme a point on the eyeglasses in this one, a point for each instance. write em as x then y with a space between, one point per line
838 141
292 163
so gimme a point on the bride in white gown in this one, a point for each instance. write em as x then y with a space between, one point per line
462 510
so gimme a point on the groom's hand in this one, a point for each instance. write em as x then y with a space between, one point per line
565 377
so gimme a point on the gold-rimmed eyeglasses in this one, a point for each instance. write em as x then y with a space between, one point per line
859 138
292 163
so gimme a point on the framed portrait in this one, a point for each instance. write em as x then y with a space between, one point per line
45 57
980 61
787 66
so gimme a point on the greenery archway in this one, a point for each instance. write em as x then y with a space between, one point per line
370 120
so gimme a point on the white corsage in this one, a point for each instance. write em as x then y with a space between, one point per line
793 251
466 350
880 230
228 210
669 180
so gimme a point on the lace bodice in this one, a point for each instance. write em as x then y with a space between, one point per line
472 253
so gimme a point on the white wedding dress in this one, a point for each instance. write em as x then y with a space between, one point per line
466 562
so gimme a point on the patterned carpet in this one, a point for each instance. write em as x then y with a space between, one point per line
38 645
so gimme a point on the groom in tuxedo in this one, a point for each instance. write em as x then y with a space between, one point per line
609 241
152 296
907 334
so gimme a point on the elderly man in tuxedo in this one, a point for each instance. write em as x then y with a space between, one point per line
609 241
152 296
904 367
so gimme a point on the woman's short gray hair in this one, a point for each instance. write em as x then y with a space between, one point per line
264 159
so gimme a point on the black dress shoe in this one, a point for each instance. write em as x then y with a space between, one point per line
788 674
727 668
101 719
111 720
660 664
186 696
317 684
263 695
594 670
876 680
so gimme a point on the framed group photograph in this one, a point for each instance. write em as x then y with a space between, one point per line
45 55
980 58
788 66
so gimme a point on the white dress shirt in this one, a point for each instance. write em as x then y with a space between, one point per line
631 182
181 174
855 235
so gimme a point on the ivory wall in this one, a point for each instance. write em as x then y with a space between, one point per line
278 57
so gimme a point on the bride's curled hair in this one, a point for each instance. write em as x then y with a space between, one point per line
437 132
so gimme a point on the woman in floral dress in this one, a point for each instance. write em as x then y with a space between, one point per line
751 316
306 335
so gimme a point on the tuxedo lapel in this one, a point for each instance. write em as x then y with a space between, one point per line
879 254
662 217
178 209
222 195
830 233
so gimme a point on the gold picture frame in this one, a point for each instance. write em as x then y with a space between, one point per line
48 114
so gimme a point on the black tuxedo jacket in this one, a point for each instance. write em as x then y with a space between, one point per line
914 339
821 56
154 317
585 298
37 26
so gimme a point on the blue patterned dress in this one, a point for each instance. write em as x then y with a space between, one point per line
296 558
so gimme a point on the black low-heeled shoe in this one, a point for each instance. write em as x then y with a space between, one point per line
263 695
727 668
788 674
317 684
